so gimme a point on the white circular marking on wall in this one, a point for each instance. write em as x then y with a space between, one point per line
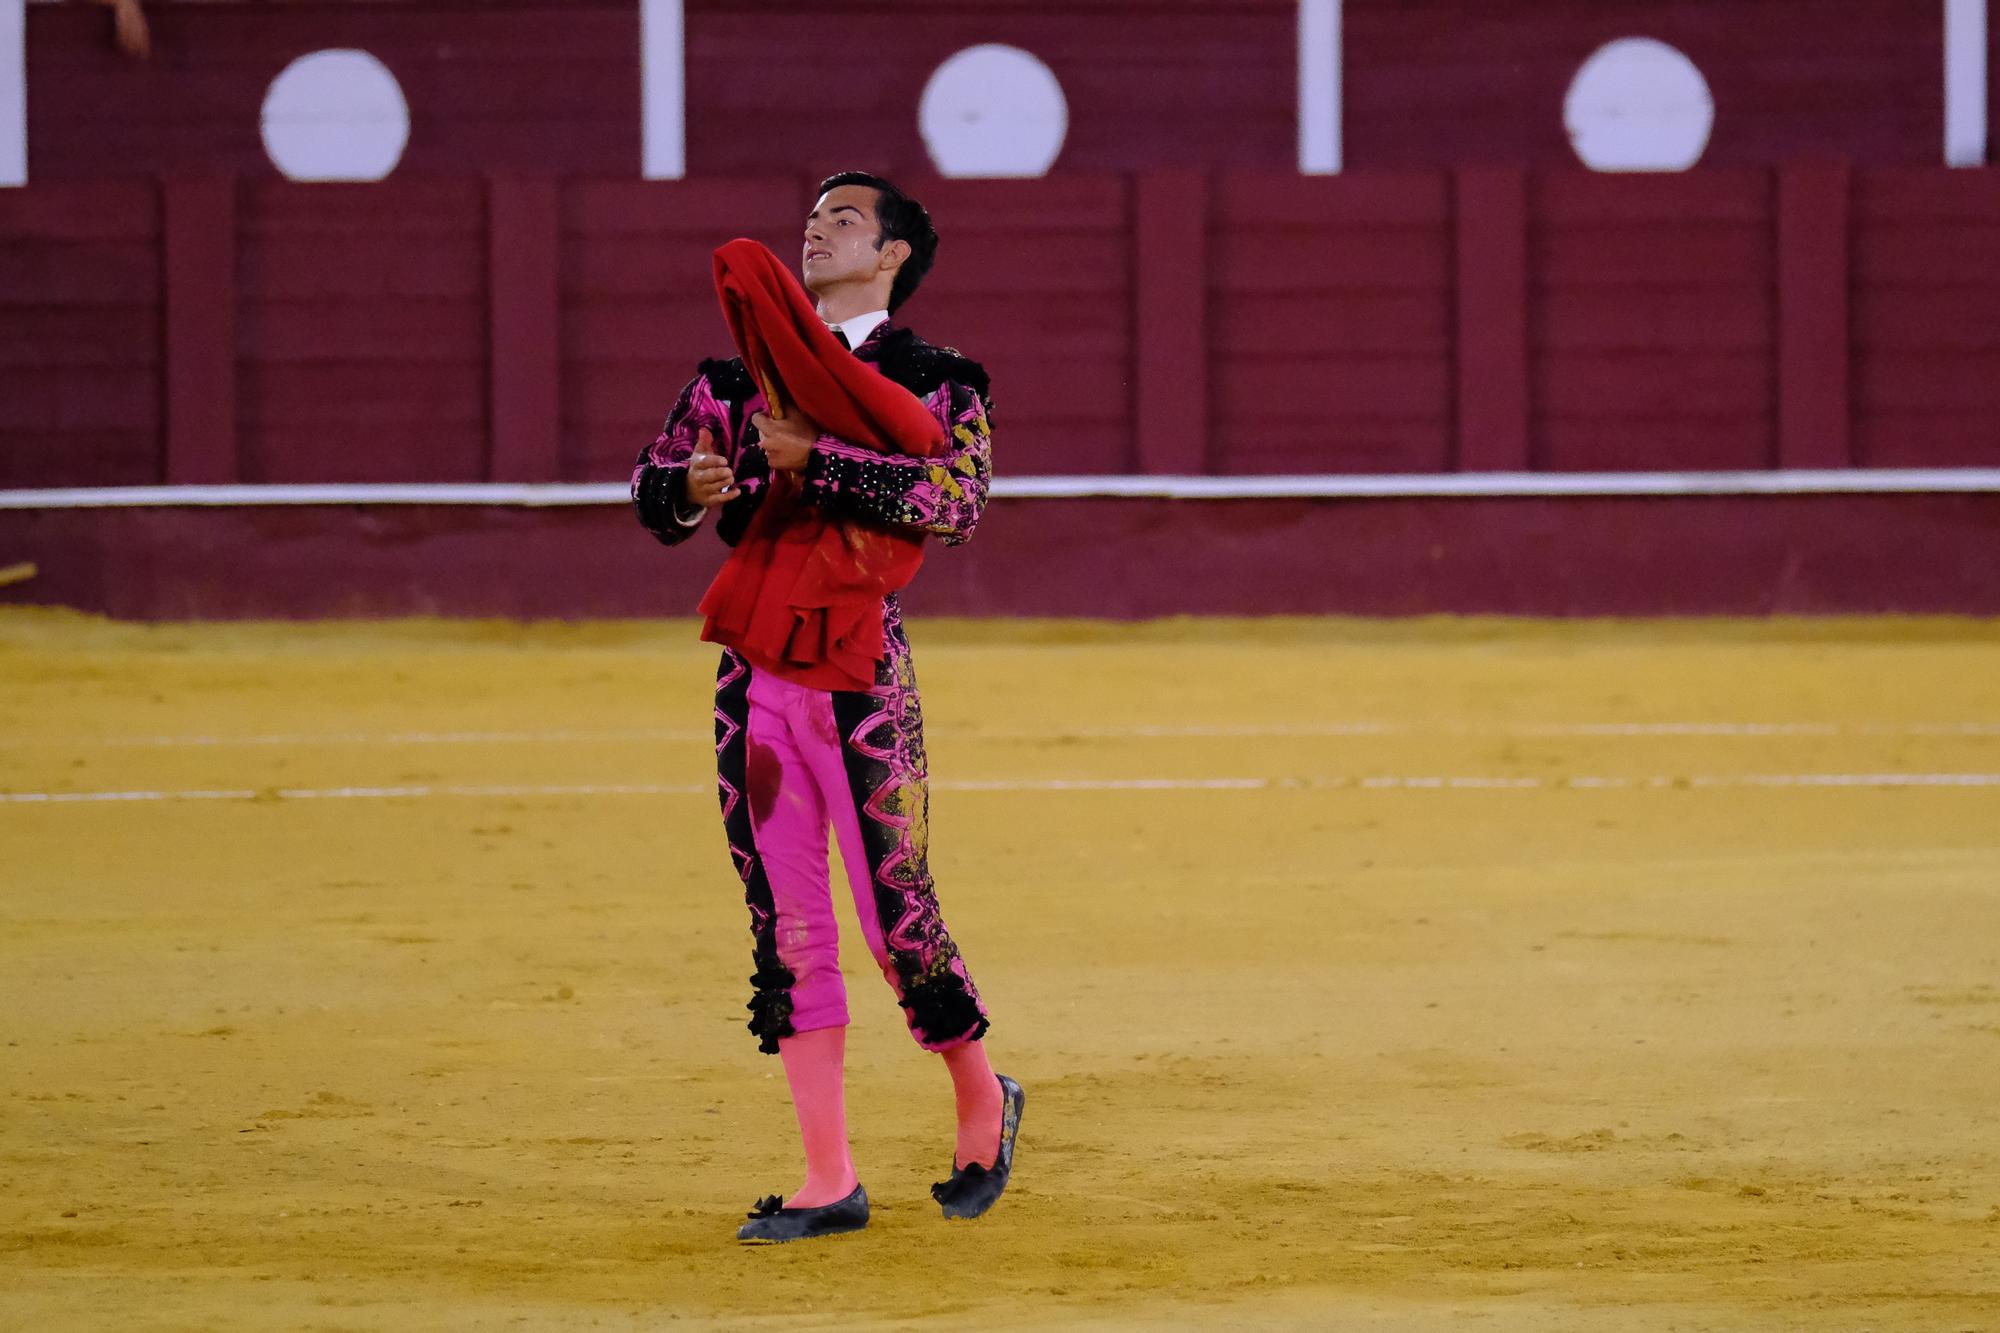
1639 105
336 116
993 110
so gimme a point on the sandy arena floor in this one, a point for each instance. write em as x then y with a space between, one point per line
1473 975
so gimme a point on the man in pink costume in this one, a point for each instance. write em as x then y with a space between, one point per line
793 759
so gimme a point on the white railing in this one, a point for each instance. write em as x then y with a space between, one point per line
1842 481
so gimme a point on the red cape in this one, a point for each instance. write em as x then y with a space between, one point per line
801 595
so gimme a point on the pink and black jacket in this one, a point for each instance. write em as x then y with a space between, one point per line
943 497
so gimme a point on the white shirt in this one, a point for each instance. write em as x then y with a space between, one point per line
856 330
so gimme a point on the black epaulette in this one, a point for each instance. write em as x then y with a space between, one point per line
729 379
921 367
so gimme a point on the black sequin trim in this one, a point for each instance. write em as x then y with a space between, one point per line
942 1011
771 1006
921 367
729 380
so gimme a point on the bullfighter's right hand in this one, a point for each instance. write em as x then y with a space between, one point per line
709 480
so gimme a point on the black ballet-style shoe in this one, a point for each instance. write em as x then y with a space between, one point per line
975 1188
772 1223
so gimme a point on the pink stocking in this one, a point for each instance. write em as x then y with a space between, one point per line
979 1103
815 1066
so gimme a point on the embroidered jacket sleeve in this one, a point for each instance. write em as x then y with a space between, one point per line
942 496
659 476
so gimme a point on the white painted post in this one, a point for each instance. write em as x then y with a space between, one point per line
13 92
1319 87
1965 76
663 88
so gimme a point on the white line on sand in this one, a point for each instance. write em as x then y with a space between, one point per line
1369 782
1144 731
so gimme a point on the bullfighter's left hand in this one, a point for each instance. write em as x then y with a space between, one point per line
787 441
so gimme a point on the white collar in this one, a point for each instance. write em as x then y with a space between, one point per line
856 330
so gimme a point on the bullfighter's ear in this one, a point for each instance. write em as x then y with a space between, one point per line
893 255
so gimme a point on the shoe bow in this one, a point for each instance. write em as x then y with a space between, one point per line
944 1191
769 1206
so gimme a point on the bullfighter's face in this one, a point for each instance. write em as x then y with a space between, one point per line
840 241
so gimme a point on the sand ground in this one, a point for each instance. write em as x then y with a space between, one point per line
1490 975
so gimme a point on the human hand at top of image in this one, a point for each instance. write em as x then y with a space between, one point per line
710 482
787 441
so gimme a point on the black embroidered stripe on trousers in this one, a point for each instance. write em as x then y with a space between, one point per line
771 999
882 748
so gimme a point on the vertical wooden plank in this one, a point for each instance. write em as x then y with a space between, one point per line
13 92
525 328
1319 87
1491 210
198 261
663 89
1965 83
1814 347
1170 342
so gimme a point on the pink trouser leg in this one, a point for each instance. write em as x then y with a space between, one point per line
798 785
789 817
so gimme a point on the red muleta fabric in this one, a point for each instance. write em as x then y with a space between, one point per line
801 595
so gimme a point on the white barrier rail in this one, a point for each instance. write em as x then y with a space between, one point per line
1856 481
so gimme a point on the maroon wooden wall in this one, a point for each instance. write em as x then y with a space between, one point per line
528 329
1791 78
1331 320
1652 319
1174 298
553 85
361 347
80 344
1735 555
545 85
1149 83
1927 317
786 86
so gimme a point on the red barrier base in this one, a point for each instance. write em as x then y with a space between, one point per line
1719 555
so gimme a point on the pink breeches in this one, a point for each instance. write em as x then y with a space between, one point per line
797 783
